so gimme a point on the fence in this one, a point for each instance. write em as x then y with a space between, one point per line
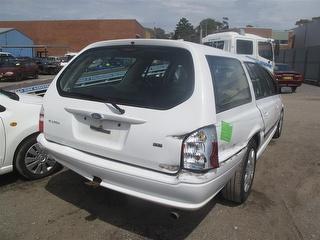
303 60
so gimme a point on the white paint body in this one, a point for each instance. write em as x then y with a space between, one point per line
127 162
25 113
230 45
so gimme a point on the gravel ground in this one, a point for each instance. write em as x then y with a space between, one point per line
284 204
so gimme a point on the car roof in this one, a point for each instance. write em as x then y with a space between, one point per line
192 47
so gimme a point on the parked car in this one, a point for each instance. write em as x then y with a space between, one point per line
6 55
287 77
19 149
67 57
18 69
177 136
48 65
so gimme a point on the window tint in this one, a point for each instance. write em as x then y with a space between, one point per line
262 81
215 44
142 76
231 86
244 47
265 50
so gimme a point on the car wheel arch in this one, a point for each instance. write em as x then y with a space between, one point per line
19 145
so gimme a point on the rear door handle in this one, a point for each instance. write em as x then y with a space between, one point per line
100 129
266 113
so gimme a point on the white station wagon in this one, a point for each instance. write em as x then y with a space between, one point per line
171 122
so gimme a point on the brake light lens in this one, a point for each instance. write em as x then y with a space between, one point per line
200 149
41 120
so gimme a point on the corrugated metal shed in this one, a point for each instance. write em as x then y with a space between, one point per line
12 37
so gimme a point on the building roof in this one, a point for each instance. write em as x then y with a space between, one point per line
75 34
4 30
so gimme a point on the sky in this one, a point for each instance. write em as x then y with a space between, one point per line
276 14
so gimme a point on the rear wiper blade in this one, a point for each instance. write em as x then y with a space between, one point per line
121 111
105 101
10 95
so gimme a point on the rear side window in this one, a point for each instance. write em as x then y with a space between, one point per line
142 76
262 81
244 47
231 87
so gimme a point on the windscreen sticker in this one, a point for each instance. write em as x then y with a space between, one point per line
226 131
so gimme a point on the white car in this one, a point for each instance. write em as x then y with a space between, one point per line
171 122
19 117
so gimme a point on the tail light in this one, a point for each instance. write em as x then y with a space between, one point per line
41 120
298 77
200 149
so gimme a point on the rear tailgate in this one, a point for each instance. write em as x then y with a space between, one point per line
149 134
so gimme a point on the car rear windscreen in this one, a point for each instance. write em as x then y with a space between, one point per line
142 76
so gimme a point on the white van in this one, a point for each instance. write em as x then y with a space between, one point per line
255 47
171 122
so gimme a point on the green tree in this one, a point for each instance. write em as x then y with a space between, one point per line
208 26
184 30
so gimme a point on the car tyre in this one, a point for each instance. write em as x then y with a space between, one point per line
36 75
277 134
293 89
239 186
32 161
19 77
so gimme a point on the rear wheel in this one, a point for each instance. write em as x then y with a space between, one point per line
19 77
293 89
36 75
239 187
32 161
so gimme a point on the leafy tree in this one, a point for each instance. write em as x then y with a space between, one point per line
184 30
208 26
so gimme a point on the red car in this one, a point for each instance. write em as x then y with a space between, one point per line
287 77
17 70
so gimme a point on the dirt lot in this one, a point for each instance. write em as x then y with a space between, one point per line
284 204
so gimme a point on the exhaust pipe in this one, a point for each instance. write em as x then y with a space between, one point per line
174 215
95 182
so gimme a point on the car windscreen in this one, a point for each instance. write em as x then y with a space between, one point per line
8 62
215 44
143 76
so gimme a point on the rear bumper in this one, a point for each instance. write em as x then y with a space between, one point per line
289 83
185 190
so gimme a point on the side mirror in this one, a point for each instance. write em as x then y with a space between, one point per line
2 108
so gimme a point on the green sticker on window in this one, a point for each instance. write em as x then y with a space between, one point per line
226 131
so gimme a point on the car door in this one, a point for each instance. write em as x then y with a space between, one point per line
265 54
264 94
237 115
2 137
